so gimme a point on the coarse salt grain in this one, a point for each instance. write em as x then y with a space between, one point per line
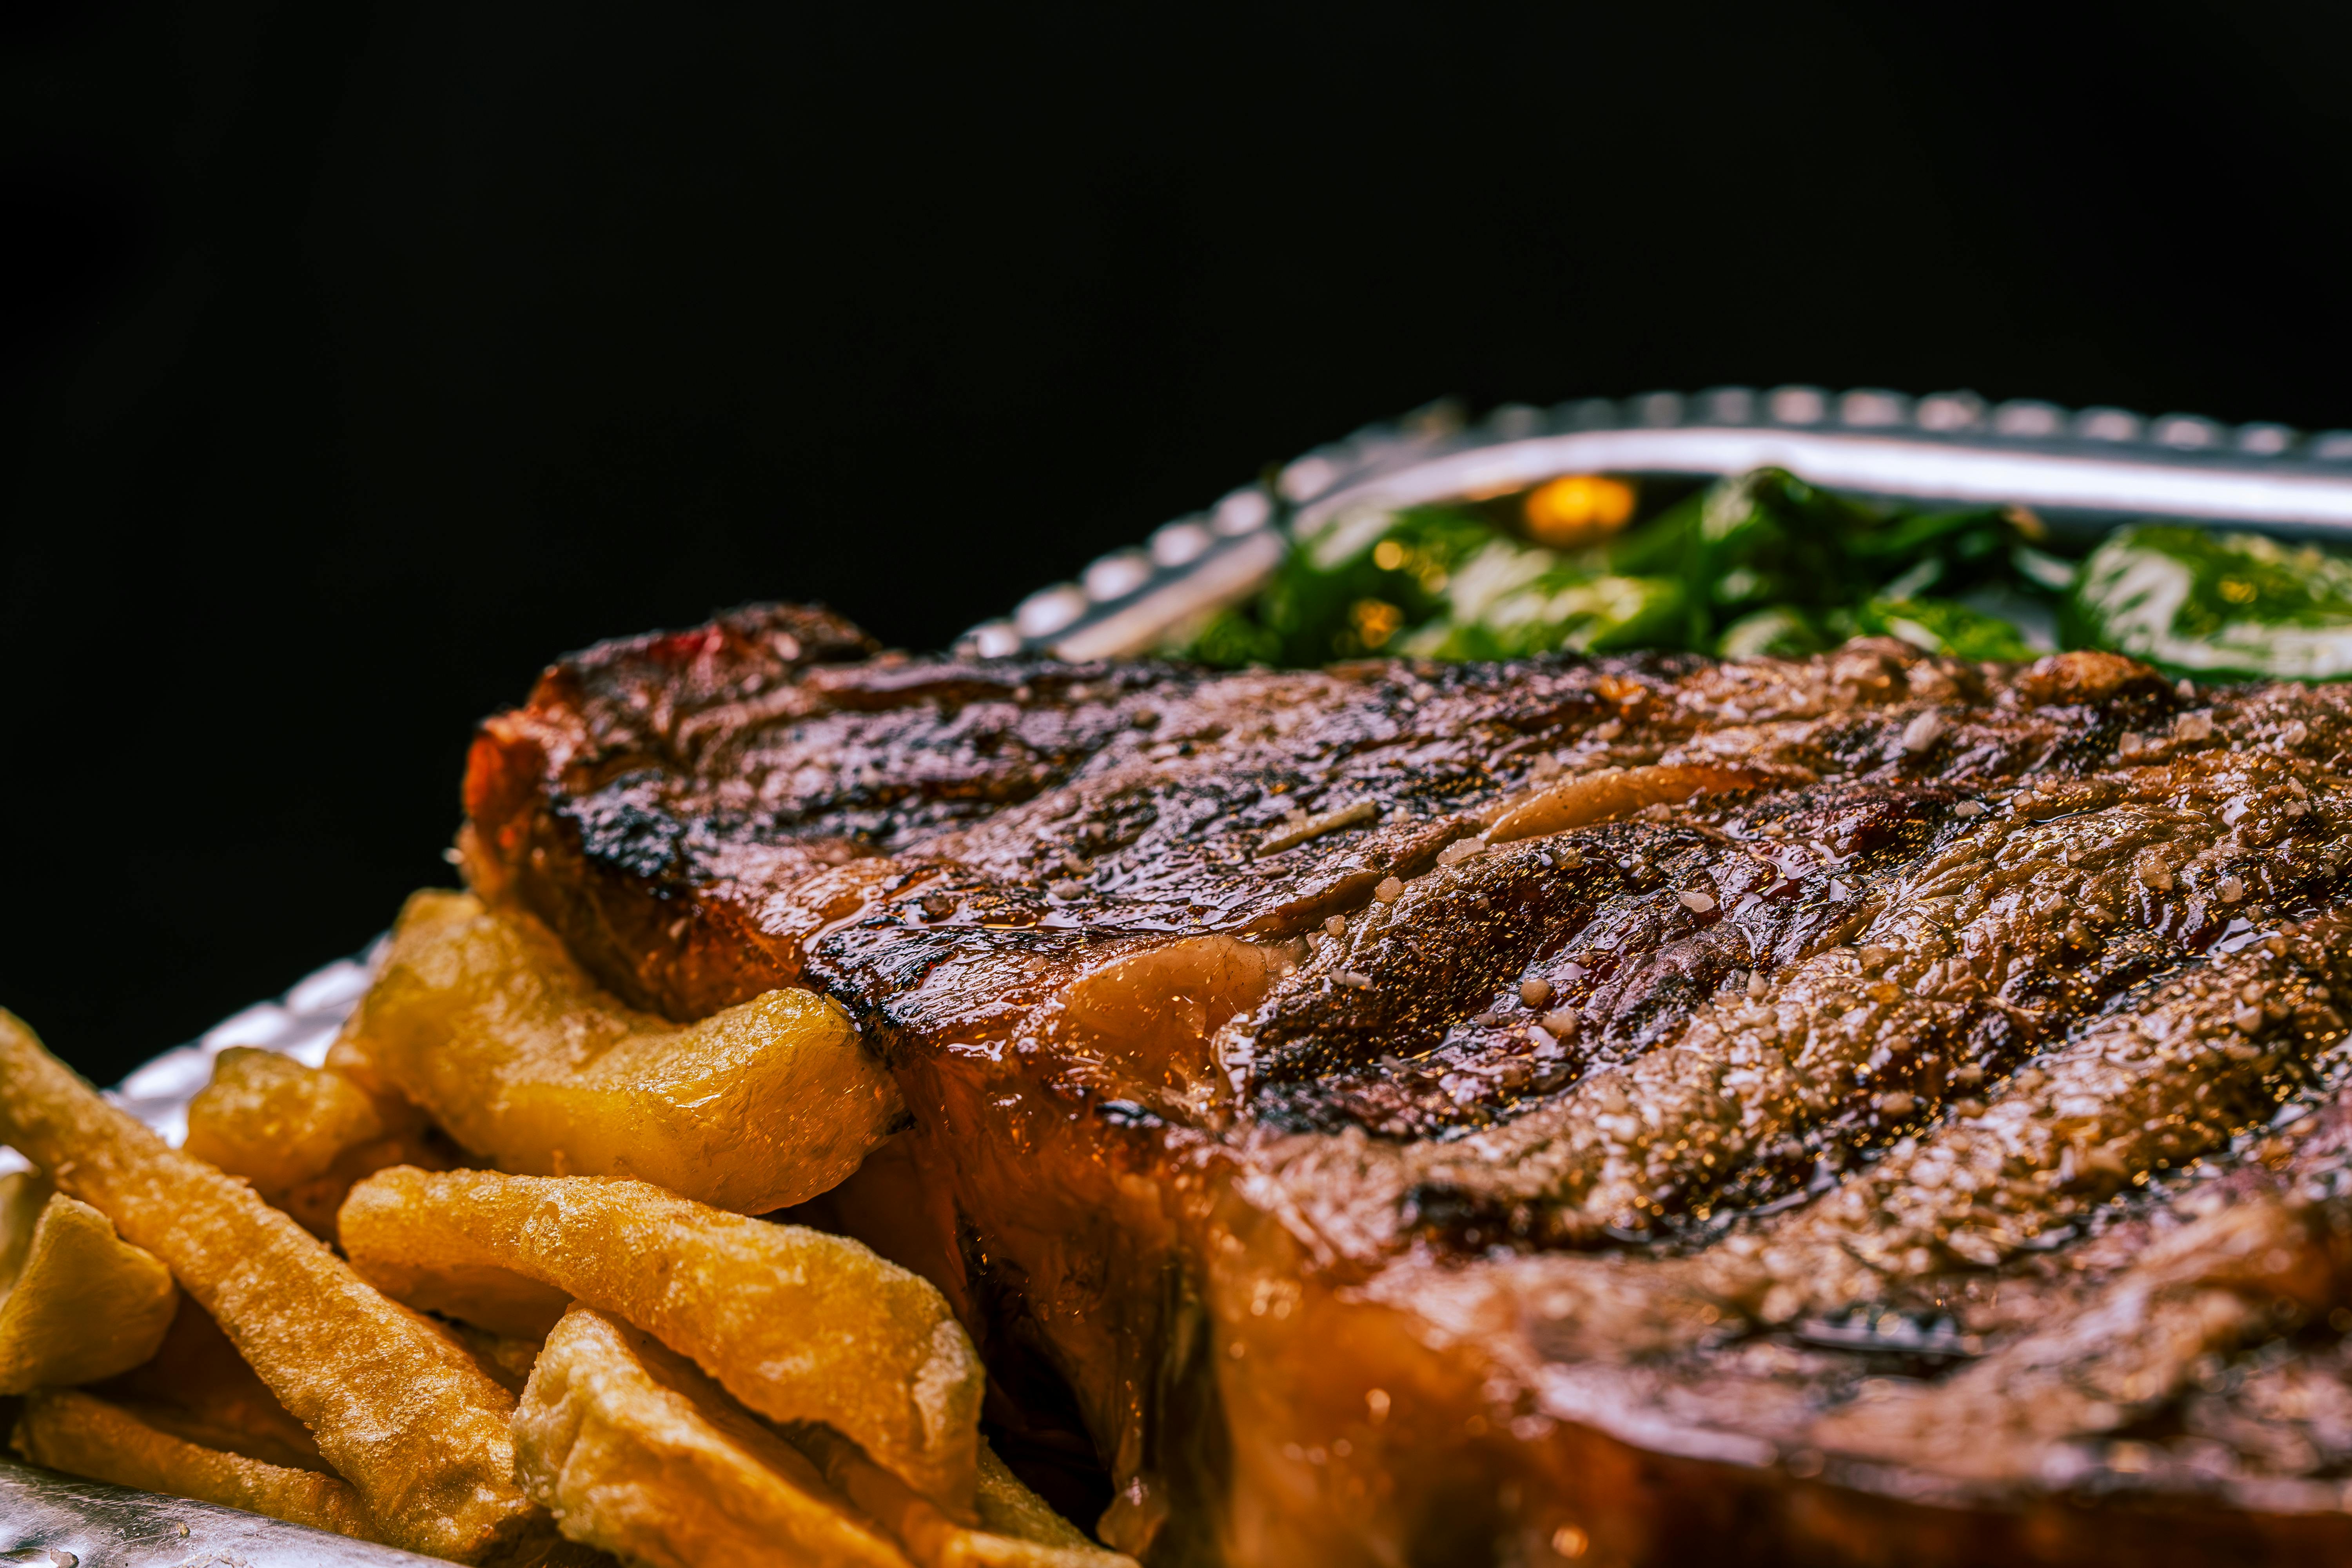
1923 731
1697 903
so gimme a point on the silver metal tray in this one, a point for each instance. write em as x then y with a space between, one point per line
59 1521
2077 467
2083 468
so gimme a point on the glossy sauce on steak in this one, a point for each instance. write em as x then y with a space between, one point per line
1863 1109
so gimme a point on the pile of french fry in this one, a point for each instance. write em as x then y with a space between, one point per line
489 1285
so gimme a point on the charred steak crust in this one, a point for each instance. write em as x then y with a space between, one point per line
1925 1144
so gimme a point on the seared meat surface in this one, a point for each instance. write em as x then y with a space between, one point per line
1863 1109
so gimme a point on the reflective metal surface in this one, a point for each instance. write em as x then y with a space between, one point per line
57 1521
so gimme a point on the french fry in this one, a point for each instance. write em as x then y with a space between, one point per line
483 1019
197 1387
271 1120
80 1303
1018 1528
799 1325
300 1135
636 1452
83 1436
1009 1508
401 1411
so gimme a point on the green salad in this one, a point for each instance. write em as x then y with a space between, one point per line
1766 564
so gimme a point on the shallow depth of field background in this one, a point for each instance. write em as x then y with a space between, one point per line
358 359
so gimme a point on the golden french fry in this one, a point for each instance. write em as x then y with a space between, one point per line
197 1387
77 1303
799 1325
483 1019
300 1135
400 1410
1018 1528
271 1120
82 1436
636 1452
1009 1508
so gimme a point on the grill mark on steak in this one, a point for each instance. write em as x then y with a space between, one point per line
2199 1060
1853 1045
1603 1132
2122 1355
2191 1066
1431 988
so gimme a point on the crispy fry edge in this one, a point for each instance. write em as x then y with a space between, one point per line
85 1436
84 1304
636 1452
401 1411
798 1324
484 1019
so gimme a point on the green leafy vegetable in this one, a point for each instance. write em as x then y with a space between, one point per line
1560 609
1940 626
1781 631
1766 564
1765 539
1352 587
2215 604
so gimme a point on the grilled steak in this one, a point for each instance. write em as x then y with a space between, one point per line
1864 1110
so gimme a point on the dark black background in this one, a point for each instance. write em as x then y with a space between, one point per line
358 359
